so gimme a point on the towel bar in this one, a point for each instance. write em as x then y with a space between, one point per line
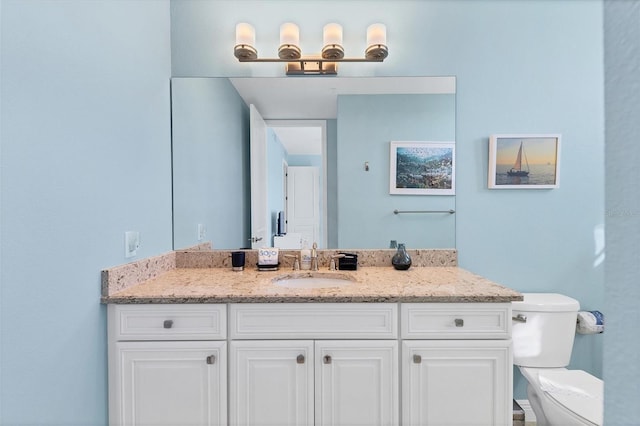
396 211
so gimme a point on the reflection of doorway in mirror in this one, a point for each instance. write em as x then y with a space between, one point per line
303 203
305 145
285 168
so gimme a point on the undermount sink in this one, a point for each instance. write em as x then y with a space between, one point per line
313 280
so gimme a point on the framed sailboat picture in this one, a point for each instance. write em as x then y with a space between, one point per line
524 161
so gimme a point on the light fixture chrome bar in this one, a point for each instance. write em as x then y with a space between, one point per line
424 211
310 59
311 65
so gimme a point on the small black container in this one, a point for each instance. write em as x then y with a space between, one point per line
349 262
237 260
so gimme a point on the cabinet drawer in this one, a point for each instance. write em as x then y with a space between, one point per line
456 320
168 322
313 321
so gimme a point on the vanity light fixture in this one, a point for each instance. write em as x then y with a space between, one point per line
290 53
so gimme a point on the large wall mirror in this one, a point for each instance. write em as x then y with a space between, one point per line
277 161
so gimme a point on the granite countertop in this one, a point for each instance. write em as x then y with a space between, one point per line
367 284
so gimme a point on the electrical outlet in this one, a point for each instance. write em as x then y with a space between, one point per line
202 232
131 243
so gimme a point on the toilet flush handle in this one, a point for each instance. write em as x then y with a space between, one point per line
520 318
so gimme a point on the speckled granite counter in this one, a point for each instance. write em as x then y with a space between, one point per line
176 284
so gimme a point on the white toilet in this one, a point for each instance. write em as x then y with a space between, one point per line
543 332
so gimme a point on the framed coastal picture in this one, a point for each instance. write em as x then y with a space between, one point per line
422 168
524 161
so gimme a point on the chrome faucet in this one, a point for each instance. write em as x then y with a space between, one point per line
314 257
332 264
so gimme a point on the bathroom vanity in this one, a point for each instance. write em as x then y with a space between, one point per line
208 346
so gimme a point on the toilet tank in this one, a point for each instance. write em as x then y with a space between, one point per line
546 338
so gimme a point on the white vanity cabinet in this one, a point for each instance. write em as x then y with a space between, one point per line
312 378
391 364
456 364
167 365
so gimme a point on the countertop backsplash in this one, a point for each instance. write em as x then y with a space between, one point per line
124 276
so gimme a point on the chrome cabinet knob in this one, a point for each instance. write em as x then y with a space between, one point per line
520 318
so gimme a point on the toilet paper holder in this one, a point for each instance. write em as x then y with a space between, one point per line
590 322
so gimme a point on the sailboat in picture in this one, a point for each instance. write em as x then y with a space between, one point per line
517 170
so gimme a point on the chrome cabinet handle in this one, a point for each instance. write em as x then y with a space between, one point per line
417 359
168 323
520 318
211 359
327 359
459 322
300 359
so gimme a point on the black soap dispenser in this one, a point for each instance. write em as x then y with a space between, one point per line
401 260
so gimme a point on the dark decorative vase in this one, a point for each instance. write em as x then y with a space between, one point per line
401 260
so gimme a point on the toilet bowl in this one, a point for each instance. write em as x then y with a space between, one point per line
543 334
564 397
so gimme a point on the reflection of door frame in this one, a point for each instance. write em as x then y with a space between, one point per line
322 124
285 189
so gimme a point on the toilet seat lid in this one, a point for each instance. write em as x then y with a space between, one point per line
576 390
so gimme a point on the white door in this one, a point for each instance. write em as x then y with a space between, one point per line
357 383
448 382
259 188
303 202
171 383
271 383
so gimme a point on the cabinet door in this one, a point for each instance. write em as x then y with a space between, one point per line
169 383
271 383
449 382
357 383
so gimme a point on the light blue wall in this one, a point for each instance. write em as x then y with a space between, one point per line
366 125
85 156
622 94
210 163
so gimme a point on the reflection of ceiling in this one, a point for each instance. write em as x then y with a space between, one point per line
300 140
306 98
315 98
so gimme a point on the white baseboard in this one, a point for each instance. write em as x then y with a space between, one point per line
529 416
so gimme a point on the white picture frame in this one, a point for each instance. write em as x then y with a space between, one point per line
422 168
524 161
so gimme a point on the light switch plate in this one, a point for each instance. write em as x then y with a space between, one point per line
202 232
131 243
